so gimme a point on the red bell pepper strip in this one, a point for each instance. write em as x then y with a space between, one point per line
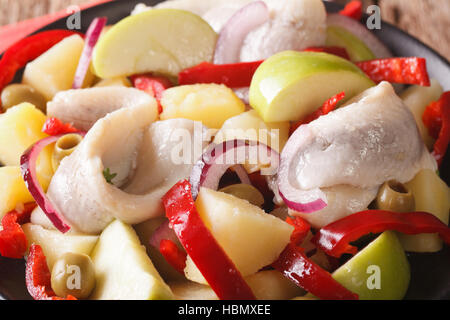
411 70
26 50
297 267
152 85
301 230
335 238
38 277
173 255
13 242
326 108
235 75
337 51
55 127
217 268
353 10
436 118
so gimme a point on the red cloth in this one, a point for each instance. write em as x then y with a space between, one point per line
11 33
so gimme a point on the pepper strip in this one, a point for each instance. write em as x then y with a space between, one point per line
296 266
353 10
412 70
38 277
25 50
436 118
173 255
217 268
152 85
335 238
55 127
13 242
301 230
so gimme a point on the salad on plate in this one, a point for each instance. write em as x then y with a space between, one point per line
231 149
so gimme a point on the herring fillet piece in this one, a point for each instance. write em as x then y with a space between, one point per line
140 151
350 152
83 107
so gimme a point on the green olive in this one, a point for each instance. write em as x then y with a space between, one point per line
17 93
64 147
246 192
74 274
395 196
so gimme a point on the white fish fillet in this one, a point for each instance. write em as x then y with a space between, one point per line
140 151
83 107
350 152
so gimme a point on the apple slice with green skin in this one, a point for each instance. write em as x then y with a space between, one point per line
123 269
356 49
380 271
291 85
159 40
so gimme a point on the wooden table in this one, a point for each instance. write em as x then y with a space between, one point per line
428 20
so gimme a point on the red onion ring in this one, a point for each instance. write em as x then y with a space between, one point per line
232 35
218 158
360 31
306 201
28 170
242 174
92 36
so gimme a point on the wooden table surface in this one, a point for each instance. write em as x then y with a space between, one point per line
428 20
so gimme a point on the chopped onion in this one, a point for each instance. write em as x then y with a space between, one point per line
218 158
233 34
305 201
360 31
28 169
92 36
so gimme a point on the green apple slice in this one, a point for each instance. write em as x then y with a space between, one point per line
123 269
378 272
290 85
356 49
159 40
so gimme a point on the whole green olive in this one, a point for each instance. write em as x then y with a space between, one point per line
395 196
246 192
74 274
64 147
17 93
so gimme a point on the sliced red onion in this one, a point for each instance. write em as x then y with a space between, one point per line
360 31
306 201
92 36
163 232
218 158
242 174
28 169
232 35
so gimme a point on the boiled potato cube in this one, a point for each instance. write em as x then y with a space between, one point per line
21 127
12 189
432 195
123 269
55 243
251 238
54 70
211 104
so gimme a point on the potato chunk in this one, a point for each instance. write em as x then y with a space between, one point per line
251 238
211 104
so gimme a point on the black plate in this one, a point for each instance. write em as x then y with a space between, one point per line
430 273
